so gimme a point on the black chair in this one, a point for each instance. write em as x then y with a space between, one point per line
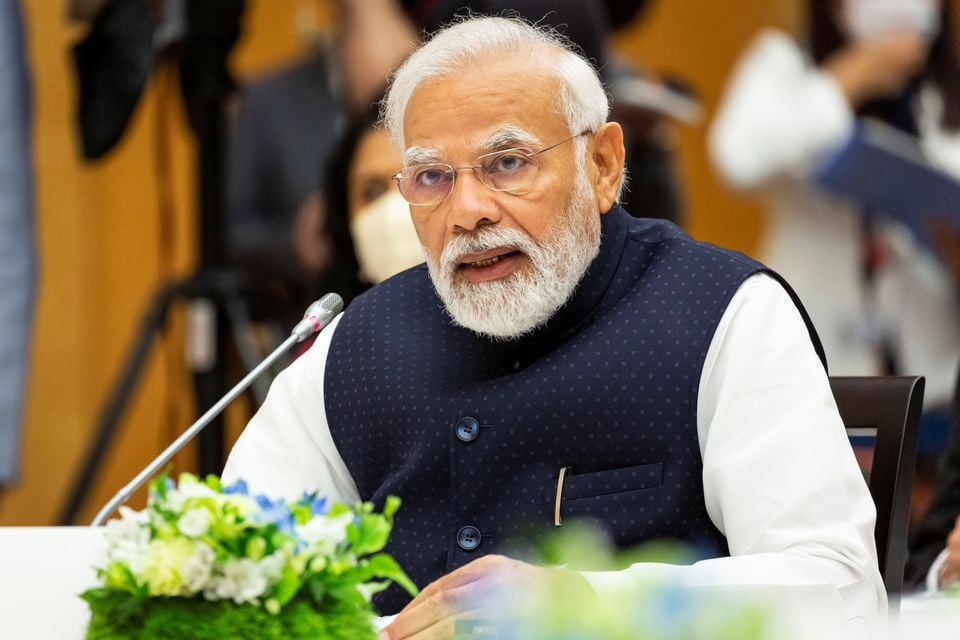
889 408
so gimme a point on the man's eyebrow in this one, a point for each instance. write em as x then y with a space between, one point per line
420 155
507 138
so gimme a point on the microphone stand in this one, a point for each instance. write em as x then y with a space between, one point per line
317 316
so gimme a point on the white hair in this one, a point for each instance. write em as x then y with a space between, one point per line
582 100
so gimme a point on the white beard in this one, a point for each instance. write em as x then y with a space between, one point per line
517 304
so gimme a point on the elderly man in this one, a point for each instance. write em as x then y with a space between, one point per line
557 359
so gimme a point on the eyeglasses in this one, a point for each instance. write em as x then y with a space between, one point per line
510 170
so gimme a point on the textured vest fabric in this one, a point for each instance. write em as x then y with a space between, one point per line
607 388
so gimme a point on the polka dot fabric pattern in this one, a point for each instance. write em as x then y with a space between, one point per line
472 433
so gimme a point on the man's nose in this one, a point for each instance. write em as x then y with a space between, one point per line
472 203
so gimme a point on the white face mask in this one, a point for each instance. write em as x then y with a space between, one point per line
384 238
873 18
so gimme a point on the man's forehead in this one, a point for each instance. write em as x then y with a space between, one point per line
502 137
467 107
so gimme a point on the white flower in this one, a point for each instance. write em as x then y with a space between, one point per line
198 568
325 531
194 523
242 581
244 504
272 566
188 489
128 538
131 526
163 565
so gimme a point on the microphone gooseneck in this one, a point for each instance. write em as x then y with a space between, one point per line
317 316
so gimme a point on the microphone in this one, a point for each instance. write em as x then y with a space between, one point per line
317 316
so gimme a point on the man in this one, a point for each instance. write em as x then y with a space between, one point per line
553 349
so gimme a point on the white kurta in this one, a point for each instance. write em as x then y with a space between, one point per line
780 116
780 479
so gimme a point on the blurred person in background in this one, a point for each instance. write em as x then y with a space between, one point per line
17 252
287 124
368 221
881 305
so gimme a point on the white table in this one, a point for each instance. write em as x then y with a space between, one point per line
42 572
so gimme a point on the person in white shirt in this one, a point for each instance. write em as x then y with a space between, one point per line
558 359
881 304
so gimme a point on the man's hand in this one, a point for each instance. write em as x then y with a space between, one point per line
473 592
875 68
950 570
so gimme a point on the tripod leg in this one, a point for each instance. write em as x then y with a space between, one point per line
209 377
117 402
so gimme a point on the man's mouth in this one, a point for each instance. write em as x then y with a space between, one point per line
489 265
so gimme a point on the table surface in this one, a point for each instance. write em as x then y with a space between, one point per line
42 572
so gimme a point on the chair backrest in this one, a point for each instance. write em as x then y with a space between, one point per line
888 407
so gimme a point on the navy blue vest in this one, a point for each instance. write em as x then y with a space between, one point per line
472 433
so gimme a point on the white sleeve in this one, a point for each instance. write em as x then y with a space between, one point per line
780 479
779 116
287 447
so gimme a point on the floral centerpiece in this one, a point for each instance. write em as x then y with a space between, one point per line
208 561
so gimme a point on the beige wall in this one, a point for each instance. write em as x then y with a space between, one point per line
102 247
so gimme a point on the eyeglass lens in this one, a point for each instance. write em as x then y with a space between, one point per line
509 170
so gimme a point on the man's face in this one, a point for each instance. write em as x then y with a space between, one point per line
502 262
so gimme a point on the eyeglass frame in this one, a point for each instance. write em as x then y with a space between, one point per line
474 167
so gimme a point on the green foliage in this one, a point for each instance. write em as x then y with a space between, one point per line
119 616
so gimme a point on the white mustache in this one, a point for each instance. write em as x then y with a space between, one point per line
484 239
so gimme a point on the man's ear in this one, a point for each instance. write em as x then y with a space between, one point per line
607 154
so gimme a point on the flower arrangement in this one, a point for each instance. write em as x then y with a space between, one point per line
208 561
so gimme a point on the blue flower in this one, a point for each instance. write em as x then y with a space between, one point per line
275 512
240 486
318 506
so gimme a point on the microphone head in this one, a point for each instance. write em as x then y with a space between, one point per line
330 302
317 316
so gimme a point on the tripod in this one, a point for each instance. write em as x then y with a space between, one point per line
212 28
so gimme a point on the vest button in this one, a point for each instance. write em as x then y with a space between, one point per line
468 538
468 429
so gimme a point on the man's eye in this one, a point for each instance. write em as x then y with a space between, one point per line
430 176
508 163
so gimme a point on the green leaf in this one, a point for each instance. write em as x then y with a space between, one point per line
213 482
369 534
384 566
288 585
338 509
391 506
318 590
348 594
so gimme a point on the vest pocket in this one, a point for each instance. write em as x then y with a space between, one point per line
581 486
